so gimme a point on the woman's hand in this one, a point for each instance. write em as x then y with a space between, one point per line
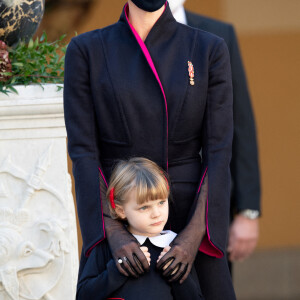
166 249
162 253
177 262
146 253
124 246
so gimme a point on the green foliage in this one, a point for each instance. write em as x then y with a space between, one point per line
37 62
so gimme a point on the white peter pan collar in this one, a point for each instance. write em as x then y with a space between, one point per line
163 240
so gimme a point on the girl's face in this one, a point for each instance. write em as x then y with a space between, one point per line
146 219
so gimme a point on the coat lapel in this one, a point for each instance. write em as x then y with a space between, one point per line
161 46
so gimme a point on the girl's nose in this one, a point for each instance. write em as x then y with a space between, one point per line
155 212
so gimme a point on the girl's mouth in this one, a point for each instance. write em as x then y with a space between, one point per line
157 223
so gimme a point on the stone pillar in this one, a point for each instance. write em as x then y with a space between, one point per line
38 240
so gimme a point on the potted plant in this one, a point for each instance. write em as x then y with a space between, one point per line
35 62
25 61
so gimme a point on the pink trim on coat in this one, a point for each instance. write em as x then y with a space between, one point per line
202 180
151 64
207 245
103 177
101 201
91 248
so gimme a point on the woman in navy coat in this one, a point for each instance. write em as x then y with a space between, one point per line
165 95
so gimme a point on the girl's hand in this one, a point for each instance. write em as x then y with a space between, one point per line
146 253
166 249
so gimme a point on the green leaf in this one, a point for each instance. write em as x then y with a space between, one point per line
62 37
13 89
36 43
43 37
30 44
17 64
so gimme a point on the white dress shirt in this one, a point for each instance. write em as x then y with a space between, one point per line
180 15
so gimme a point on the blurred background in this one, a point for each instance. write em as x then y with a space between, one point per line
269 38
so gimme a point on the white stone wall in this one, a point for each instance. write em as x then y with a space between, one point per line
38 239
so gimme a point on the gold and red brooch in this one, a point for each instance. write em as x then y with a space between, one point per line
191 72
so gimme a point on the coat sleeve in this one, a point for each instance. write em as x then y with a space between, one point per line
216 150
100 276
83 146
244 164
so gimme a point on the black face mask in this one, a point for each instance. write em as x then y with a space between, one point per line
149 5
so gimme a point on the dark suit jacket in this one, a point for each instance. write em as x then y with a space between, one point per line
115 109
244 163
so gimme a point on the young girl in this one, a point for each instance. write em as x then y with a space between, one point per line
138 194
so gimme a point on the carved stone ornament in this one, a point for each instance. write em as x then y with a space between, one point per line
38 241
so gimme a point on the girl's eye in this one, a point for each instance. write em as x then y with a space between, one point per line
144 207
162 202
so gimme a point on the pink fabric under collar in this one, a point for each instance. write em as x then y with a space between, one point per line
207 245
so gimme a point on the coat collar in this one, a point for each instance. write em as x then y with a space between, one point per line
163 240
165 25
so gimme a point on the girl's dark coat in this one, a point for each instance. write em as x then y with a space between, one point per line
101 279
115 109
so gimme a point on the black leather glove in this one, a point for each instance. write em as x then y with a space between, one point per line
178 262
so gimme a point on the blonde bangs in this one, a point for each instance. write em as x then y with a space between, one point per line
151 188
141 174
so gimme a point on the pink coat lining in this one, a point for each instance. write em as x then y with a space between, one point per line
207 245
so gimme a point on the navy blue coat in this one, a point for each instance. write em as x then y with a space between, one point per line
244 164
115 109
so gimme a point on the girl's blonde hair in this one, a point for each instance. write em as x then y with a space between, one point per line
149 180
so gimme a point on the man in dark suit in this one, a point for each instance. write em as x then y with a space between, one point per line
245 200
